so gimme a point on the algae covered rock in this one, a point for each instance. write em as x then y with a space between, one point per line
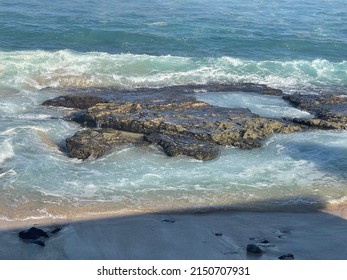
94 143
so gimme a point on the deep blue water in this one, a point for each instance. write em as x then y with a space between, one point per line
48 46
255 29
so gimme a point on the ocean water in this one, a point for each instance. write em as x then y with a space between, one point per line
48 47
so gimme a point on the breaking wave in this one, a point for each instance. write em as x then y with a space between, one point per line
66 68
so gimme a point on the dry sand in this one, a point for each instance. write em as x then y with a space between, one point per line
211 235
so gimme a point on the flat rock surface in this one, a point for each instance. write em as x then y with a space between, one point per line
188 127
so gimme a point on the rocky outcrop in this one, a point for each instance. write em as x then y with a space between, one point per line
94 143
189 128
224 126
330 111
173 119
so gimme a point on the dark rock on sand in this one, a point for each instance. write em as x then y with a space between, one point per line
330 111
286 257
74 101
169 220
254 249
97 142
37 236
32 234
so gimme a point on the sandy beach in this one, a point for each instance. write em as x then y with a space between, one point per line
307 235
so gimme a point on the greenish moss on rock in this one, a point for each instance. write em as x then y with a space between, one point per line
94 143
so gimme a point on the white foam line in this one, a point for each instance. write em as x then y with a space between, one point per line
68 68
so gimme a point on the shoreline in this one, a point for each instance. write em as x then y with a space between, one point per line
90 212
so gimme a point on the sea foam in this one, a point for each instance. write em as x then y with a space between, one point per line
7 151
66 68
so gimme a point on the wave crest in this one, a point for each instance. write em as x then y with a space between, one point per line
65 68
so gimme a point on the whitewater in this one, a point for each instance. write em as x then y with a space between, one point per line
46 52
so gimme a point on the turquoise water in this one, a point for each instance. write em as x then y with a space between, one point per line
46 47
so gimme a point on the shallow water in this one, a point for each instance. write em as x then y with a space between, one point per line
263 105
289 168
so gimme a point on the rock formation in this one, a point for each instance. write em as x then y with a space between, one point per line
173 119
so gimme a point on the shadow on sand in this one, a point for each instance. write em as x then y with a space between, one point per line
212 233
